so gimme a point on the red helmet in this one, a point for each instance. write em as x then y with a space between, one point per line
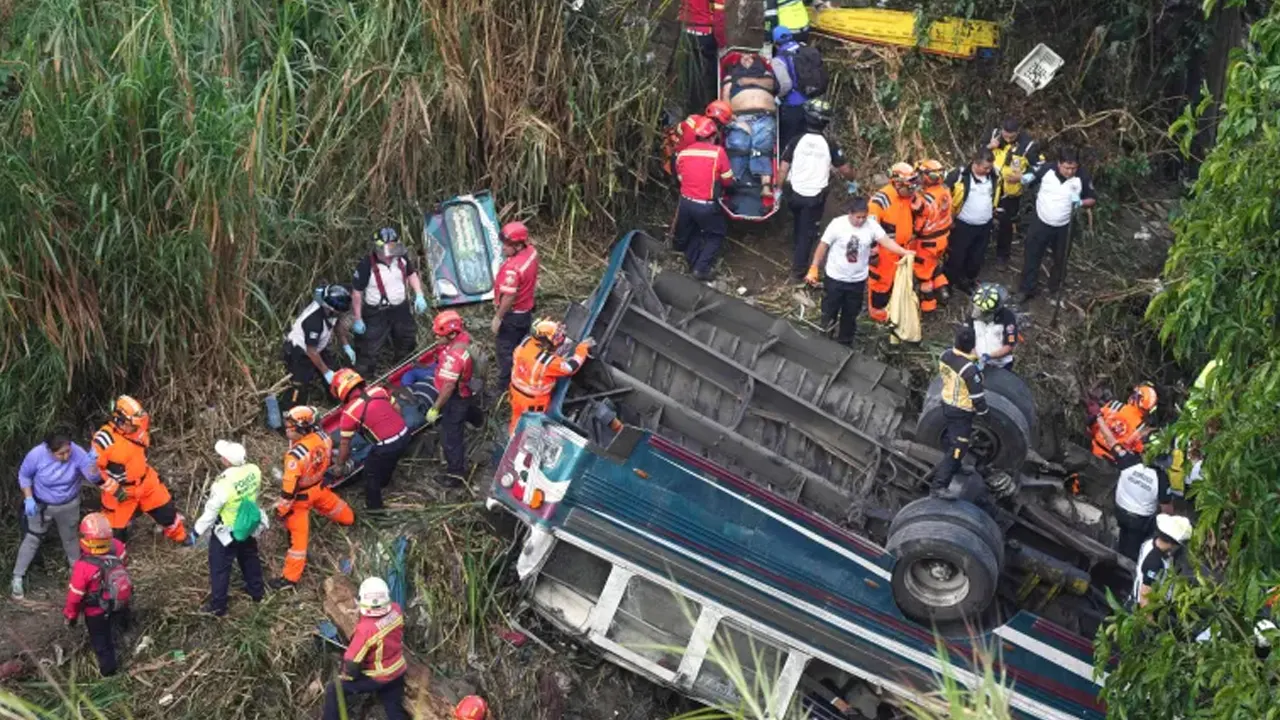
472 707
95 534
514 232
720 111
447 323
703 127
344 381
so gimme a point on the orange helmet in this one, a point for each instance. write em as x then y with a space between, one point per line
344 381
514 232
447 322
904 178
549 331
472 707
304 417
931 171
1144 396
127 411
703 126
95 534
720 111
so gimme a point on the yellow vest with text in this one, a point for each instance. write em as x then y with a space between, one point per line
239 484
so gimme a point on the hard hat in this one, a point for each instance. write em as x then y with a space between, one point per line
932 171
514 232
703 127
1175 527
387 243
548 330
344 381
472 707
817 110
232 452
95 534
127 411
782 34
302 417
719 111
1144 396
988 297
375 597
903 177
447 322
335 297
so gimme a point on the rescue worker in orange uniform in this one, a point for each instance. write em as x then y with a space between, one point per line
302 489
453 394
129 483
1123 426
932 227
537 367
891 206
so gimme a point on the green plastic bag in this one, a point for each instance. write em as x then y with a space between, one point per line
248 520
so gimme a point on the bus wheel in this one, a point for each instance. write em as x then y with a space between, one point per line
944 571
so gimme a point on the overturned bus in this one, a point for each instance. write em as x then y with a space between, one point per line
738 509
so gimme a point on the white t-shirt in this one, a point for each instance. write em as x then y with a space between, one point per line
811 156
849 248
977 208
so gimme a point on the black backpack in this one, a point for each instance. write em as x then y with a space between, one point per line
809 74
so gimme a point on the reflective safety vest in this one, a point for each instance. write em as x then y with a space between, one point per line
894 214
934 217
791 14
306 463
535 369
120 458
238 484
1126 422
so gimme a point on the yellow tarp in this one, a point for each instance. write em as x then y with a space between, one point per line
904 306
951 36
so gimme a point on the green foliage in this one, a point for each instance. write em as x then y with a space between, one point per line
1221 304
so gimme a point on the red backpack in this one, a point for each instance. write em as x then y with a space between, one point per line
116 588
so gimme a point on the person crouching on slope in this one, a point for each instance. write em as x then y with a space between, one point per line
374 661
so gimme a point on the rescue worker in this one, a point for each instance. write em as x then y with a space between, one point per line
514 298
129 483
932 225
302 488
995 327
374 413
791 99
453 398
1156 555
682 136
843 253
963 398
974 194
703 169
374 662
538 367
703 36
49 478
1141 491
792 14
472 707
305 358
805 170
1064 187
891 206
380 301
1015 154
90 590
232 514
1123 426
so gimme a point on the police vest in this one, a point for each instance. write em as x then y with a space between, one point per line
1139 577
792 14
238 484
1138 490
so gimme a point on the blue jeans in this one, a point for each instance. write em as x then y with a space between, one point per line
750 142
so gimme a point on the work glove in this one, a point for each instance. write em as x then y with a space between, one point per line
121 494
811 277
192 538
29 507
351 354
851 187
983 360
328 377
419 304
1028 178
433 415
283 507
357 327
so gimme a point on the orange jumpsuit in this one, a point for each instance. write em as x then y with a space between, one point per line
122 463
932 229
894 214
1127 422
534 376
304 467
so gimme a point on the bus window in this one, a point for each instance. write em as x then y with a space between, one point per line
738 662
654 622
829 693
570 584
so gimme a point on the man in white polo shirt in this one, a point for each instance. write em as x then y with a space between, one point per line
974 195
805 168
1063 188
843 253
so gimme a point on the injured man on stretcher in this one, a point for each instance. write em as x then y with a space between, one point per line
751 139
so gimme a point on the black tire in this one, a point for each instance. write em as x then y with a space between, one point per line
1001 436
926 546
1015 389
962 513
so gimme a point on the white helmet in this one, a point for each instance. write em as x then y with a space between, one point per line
1176 527
375 597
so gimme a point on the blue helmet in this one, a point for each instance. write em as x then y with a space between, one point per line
782 34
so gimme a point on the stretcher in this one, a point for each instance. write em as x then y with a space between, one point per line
949 36
743 201
464 251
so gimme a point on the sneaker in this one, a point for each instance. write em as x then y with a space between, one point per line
207 609
16 590
280 583
944 493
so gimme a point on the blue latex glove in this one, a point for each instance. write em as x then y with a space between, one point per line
29 507
419 304
191 539
851 187
328 377
1028 178
357 327
1075 201
433 415
351 354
